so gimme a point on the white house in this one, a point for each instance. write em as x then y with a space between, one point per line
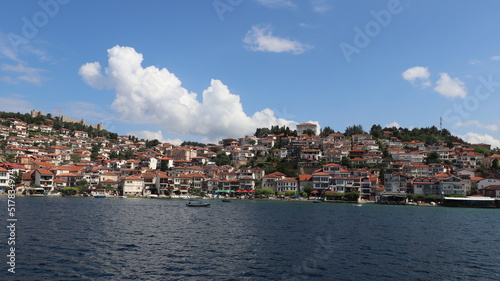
412 157
132 186
44 178
487 182
307 126
453 185
4 178
286 184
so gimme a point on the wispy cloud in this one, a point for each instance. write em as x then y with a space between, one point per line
418 74
307 25
261 38
20 66
277 4
11 104
23 73
33 48
474 61
320 6
6 50
495 58
450 87
478 124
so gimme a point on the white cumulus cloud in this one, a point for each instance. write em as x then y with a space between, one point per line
448 87
153 95
393 124
495 58
478 124
158 135
472 137
417 74
261 38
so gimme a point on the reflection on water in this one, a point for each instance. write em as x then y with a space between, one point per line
155 239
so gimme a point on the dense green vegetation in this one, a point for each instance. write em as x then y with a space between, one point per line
350 196
429 135
275 130
264 192
193 143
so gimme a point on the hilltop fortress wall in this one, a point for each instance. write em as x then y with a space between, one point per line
99 126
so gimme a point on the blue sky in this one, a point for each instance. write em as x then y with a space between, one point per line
204 70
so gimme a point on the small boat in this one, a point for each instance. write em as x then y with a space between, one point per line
99 196
197 203
226 200
357 205
316 201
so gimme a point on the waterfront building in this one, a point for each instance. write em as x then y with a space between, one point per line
4 178
132 186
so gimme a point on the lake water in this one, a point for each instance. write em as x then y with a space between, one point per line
157 239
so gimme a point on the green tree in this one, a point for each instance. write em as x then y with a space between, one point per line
82 182
17 177
376 131
82 186
309 132
193 143
264 192
308 189
494 165
483 150
286 168
222 159
326 131
75 158
163 165
197 192
352 196
113 155
126 155
10 158
353 130
346 162
95 151
68 191
432 157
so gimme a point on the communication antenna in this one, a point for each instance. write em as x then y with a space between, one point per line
441 123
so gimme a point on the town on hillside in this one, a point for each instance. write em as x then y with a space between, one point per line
42 155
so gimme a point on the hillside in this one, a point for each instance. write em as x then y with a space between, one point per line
57 123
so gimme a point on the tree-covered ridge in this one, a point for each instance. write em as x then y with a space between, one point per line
428 135
57 124
275 130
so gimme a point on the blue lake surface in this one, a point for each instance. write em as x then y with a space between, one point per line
157 239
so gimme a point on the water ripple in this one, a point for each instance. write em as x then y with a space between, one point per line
144 239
